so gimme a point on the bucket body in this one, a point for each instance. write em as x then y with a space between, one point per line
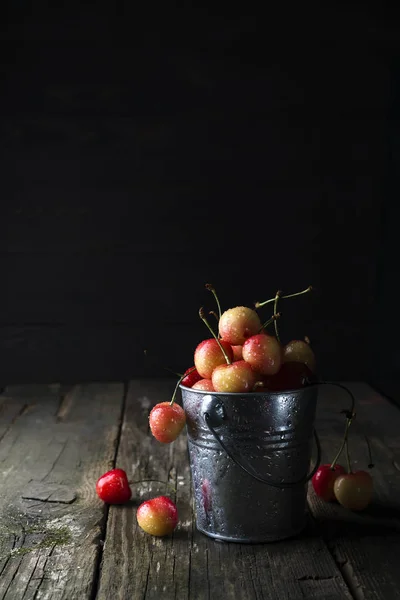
271 434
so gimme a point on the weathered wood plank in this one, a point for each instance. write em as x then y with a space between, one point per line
51 520
366 545
189 564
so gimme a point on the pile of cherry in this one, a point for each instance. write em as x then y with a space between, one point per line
241 356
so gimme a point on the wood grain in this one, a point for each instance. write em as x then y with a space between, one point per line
59 445
188 564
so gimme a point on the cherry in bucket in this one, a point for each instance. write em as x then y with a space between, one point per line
291 376
113 487
300 351
209 354
263 353
158 516
237 324
191 376
230 376
204 384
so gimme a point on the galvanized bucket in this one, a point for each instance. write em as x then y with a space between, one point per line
249 459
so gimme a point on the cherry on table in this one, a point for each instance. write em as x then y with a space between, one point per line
158 516
324 479
354 490
113 487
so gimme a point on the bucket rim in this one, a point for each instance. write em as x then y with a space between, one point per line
248 394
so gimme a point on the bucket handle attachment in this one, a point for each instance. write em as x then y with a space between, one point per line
214 414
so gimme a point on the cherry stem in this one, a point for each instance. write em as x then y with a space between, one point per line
348 457
146 353
260 304
173 372
371 463
179 382
212 312
271 320
277 296
214 293
350 414
203 318
344 443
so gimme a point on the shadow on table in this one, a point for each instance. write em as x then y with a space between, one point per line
376 520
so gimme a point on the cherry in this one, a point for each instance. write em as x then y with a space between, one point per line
209 355
324 478
113 487
264 353
237 324
354 490
237 352
158 516
204 384
166 421
235 377
291 376
299 351
192 376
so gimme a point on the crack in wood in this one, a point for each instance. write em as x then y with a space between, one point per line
19 414
103 526
42 578
56 459
49 492
348 575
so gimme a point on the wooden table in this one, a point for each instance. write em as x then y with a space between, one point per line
58 540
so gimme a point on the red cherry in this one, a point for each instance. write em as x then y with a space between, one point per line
166 421
237 324
354 490
204 384
158 516
237 377
113 487
264 353
291 376
323 481
208 355
191 378
237 352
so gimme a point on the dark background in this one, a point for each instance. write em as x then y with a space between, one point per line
144 155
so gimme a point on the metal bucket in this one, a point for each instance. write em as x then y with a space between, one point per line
249 459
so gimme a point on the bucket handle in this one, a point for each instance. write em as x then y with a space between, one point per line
214 414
